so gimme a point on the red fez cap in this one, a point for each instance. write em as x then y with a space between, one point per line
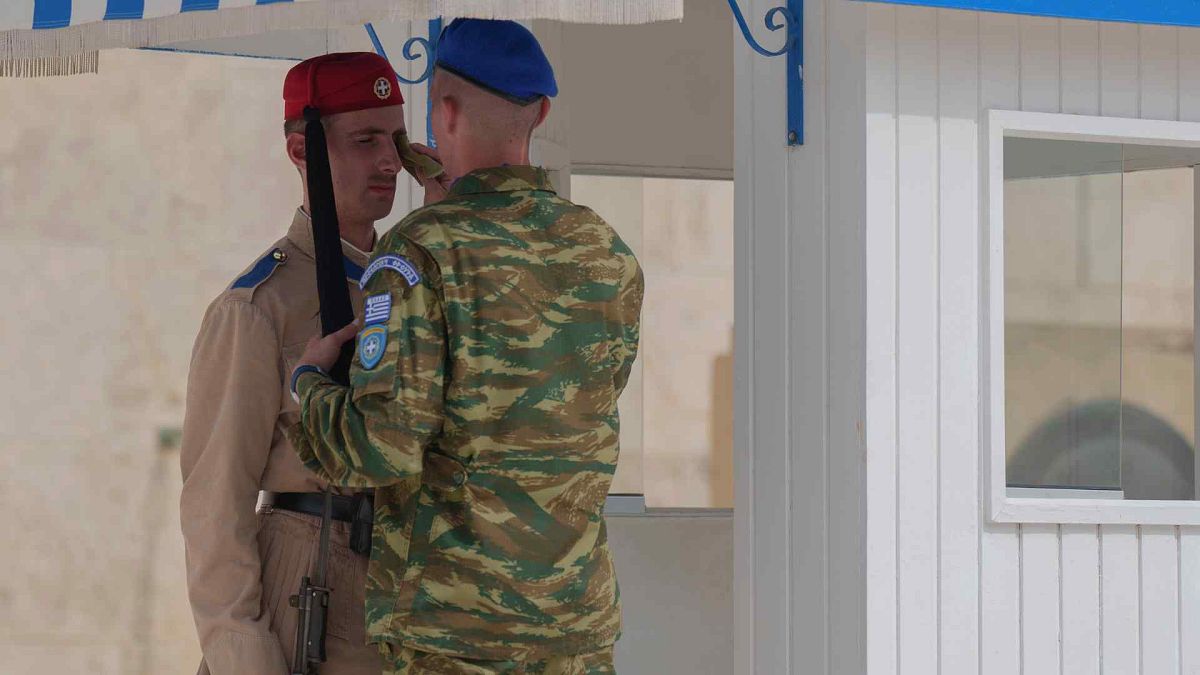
338 83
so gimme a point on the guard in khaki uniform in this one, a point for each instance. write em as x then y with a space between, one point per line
243 565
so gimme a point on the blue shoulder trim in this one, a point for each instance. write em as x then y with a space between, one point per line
353 271
259 273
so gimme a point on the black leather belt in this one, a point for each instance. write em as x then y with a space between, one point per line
358 510
313 503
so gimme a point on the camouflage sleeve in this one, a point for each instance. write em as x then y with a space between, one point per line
374 432
629 304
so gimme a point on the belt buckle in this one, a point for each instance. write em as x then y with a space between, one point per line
266 502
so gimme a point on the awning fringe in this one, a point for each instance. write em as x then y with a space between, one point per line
73 49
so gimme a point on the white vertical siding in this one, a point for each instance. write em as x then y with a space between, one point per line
1159 612
1189 75
971 596
839 80
800 507
917 337
1119 598
1080 553
1119 45
1000 578
1189 603
808 435
1040 623
1158 72
862 543
958 372
762 493
1079 69
880 243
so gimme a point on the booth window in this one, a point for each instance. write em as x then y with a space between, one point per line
661 173
677 410
1099 270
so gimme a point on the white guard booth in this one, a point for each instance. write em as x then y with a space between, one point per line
964 382
947 257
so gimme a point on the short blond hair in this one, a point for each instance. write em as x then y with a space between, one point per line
497 118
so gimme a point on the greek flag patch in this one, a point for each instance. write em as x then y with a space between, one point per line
396 263
377 308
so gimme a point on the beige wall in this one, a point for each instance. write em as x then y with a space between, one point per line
128 200
677 411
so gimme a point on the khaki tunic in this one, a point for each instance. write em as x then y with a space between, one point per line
241 565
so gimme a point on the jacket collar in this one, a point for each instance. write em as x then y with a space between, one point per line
300 234
502 179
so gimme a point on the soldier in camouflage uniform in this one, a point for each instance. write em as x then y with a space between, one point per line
500 325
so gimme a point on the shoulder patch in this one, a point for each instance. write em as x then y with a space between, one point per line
396 263
372 341
262 269
377 308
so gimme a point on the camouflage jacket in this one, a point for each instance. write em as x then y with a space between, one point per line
500 328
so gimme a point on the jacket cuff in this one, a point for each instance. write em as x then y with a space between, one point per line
299 373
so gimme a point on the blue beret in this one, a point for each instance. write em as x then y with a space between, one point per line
501 56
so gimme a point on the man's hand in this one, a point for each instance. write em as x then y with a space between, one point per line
323 352
437 187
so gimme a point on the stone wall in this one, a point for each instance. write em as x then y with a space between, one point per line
128 200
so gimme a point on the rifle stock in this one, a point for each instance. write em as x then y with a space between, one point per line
312 600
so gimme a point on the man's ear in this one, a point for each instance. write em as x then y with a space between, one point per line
452 113
543 113
296 149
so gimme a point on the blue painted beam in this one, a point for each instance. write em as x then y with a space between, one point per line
790 19
435 32
1164 12
795 73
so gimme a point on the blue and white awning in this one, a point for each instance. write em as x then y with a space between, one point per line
43 37
1166 12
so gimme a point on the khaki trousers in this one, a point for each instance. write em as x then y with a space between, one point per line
404 661
288 543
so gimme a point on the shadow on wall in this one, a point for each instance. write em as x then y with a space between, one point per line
720 471
1080 446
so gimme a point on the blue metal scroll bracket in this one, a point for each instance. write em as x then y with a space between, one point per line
791 19
409 54
429 44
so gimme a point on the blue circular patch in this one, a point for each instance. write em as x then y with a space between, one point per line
372 342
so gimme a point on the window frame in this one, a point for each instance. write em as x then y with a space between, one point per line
1000 506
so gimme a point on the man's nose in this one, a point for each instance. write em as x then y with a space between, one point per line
389 162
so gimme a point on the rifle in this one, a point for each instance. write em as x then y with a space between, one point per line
313 603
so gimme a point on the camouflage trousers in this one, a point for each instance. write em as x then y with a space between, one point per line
399 660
